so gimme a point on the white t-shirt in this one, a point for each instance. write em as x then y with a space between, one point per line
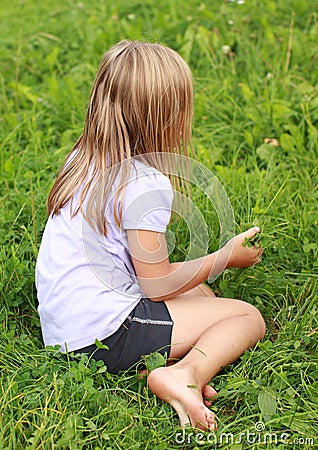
85 281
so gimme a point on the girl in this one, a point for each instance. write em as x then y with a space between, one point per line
103 269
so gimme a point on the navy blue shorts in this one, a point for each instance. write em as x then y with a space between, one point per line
147 329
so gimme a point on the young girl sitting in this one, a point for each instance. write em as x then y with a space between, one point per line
103 269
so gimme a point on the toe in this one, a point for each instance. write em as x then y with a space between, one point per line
211 420
209 395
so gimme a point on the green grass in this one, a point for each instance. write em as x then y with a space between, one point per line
255 73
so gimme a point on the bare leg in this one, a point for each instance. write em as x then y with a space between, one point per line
208 334
203 289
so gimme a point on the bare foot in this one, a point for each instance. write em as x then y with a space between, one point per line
201 290
176 386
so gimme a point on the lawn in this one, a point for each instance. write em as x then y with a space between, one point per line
255 130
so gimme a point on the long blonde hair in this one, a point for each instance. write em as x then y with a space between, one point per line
141 103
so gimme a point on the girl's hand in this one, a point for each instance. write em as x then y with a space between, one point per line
239 255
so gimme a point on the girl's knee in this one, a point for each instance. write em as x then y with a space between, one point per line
258 321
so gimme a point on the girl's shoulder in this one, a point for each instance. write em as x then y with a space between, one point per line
147 200
144 174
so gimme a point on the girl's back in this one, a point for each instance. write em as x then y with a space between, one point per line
85 280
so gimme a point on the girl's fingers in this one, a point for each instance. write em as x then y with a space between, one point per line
253 231
260 252
250 233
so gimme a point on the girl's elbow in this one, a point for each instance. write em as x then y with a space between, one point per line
157 289
152 294
155 294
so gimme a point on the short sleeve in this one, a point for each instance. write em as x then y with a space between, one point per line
147 202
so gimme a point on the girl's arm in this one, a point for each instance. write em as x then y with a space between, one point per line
161 280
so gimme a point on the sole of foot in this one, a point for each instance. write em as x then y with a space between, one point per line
177 387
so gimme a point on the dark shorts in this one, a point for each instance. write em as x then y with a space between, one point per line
147 329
